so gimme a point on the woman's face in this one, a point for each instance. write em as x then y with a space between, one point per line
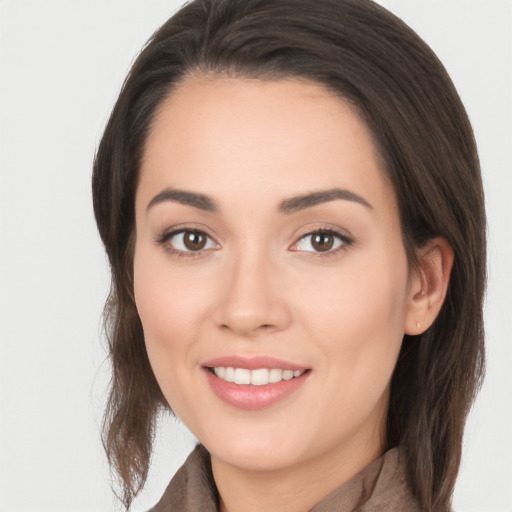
269 242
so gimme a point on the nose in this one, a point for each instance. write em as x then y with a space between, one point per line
252 300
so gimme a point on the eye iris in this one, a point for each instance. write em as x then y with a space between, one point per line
322 242
194 241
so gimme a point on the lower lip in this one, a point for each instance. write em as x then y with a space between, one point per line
249 397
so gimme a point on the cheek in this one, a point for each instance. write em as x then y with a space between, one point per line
357 317
169 305
169 300
364 293
165 308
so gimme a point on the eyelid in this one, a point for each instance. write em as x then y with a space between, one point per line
167 234
342 235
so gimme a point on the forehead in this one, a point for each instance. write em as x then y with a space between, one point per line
215 135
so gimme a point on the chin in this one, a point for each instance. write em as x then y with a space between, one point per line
251 456
251 449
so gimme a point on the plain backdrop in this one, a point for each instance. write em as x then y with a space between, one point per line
61 66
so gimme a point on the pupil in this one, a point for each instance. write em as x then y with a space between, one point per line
322 242
194 241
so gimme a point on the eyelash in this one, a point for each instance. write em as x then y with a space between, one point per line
163 240
344 240
166 236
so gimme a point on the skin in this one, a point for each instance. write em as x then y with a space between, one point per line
260 288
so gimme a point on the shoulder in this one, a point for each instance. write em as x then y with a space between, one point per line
192 488
380 487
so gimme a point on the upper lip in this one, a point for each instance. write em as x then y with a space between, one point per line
252 363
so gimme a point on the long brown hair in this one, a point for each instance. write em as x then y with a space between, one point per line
372 59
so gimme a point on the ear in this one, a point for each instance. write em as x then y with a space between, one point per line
428 285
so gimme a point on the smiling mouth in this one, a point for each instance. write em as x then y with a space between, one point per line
254 383
257 377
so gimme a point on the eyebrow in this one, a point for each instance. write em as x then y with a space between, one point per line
291 205
302 202
183 197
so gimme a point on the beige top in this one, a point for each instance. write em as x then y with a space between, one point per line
380 487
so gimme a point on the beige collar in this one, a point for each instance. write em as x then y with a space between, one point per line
380 487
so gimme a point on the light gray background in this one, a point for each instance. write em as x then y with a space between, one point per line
61 66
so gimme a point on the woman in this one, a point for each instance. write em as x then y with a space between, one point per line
290 197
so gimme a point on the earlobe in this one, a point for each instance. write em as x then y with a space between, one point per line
429 285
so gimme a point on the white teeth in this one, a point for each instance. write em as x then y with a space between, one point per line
242 376
220 372
230 375
275 375
259 377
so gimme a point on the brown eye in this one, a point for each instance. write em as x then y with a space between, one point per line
188 241
322 242
194 240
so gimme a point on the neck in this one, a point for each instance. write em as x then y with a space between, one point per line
288 489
